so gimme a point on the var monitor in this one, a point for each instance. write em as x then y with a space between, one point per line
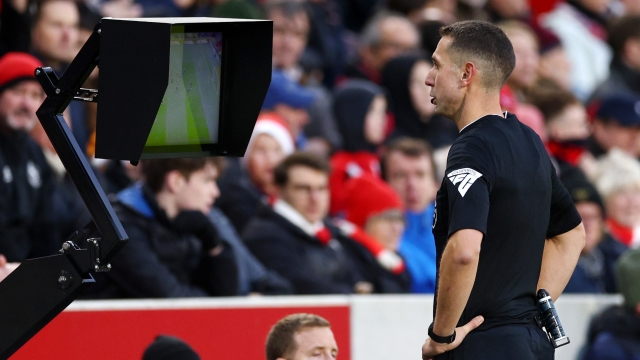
180 87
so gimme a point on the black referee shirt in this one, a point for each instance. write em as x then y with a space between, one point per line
500 181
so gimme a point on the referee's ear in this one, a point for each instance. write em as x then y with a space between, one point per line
469 74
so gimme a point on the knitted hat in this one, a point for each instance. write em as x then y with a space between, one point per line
167 347
15 67
272 125
621 108
628 277
581 190
283 90
368 196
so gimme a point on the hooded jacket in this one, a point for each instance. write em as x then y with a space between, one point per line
437 130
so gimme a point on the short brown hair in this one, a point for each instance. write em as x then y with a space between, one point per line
409 147
306 159
280 341
155 170
552 102
621 30
484 43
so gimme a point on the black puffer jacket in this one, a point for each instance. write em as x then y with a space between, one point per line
314 268
157 262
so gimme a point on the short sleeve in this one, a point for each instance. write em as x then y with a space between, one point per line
468 183
563 215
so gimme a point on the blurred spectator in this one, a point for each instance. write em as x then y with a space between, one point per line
290 34
618 182
596 265
294 238
360 108
501 10
408 167
27 220
253 277
404 79
615 333
568 131
55 31
438 13
617 125
554 65
514 94
166 347
290 102
630 7
299 337
525 46
245 184
173 250
581 26
624 76
374 206
54 39
328 38
385 37
14 26
68 207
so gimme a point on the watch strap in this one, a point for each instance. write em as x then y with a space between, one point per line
441 339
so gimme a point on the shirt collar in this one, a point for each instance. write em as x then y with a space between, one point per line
504 115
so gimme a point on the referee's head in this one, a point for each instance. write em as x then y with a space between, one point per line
484 44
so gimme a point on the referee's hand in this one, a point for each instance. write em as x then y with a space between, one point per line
432 348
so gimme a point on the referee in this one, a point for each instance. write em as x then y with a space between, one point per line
504 225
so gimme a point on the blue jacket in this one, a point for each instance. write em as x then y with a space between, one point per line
418 248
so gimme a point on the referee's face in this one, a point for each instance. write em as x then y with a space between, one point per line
444 79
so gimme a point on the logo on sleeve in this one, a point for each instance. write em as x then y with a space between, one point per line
465 177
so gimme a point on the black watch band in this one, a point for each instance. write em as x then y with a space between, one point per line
441 339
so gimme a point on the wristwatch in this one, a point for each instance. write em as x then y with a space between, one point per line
441 339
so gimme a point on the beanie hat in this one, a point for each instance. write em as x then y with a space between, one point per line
581 190
167 347
628 277
15 67
367 196
272 125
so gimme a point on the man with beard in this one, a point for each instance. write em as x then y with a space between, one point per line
27 224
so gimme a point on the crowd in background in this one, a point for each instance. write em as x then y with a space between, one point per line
336 191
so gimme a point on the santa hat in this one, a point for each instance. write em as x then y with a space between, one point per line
272 125
15 67
367 196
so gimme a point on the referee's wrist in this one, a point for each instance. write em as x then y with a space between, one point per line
441 339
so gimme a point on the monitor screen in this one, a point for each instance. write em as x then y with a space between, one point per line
188 116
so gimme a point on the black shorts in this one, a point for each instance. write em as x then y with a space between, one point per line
506 342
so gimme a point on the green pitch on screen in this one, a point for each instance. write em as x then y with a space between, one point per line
188 114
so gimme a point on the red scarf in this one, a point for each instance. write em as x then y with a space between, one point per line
622 233
566 152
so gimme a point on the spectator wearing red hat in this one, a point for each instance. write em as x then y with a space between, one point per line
374 206
249 182
294 237
27 189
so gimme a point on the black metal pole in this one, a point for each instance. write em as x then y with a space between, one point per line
39 289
